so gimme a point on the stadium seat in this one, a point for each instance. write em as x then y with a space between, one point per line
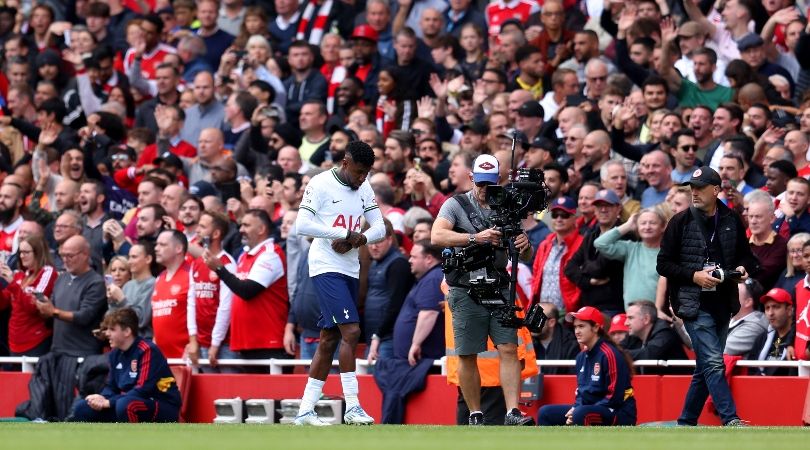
229 410
260 410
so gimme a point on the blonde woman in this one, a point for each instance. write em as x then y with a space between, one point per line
795 270
640 258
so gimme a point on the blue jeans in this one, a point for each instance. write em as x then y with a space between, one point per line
708 341
224 353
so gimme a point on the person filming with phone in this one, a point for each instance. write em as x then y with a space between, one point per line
733 186
704 254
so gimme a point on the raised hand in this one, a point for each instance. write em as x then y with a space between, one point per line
628 17
425 108
438 85
48 136
668 30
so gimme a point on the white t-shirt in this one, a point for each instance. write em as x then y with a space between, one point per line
330 208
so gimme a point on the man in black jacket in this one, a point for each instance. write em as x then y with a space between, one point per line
555 341
697 242
599 278
651 338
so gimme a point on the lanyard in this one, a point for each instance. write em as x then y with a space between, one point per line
716 223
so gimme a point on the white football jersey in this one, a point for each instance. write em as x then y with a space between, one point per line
336 208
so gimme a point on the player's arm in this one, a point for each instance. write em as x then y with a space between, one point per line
307 225
373 215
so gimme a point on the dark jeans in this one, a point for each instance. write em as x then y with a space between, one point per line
708 341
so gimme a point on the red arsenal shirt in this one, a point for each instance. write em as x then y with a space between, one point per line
213 301
259 323
173 311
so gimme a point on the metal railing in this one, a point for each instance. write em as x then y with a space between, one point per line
276 366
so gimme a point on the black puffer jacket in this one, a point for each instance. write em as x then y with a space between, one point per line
683 252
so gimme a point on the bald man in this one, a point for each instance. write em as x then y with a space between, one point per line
206 113
210 150
659 177
596 150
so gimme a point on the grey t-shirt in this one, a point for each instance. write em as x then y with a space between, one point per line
453 212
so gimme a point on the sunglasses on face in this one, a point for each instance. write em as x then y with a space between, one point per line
560 215
689 148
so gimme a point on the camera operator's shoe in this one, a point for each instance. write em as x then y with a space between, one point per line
515 417
310 418
476 419
356 416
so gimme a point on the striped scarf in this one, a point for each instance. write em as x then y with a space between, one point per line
335 75
318 25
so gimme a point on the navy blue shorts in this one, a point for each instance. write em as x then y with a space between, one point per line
337 295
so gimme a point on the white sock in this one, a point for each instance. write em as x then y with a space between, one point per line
350 389
312 393
475 412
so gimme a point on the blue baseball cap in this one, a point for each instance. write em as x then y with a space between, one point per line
566 204
607 196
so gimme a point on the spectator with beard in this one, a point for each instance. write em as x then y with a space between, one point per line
683 148
399 153
11 204
367 60
91 204
207 111
150 222
67 225
339 139
596 148
700 121
65 194
189 215
775 344
349 95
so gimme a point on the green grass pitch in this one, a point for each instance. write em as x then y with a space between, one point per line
18 436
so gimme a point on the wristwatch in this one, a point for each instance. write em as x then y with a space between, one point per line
472 238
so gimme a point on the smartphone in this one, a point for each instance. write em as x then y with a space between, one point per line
108 280
417 164
40 297
206 242
575 100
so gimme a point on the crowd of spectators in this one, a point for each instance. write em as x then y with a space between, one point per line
157 141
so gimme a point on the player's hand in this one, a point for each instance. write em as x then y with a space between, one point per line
212 356
704 280
744 273
569 416
341 246
357 239
490 236
599 281
791 353
414 354
169 223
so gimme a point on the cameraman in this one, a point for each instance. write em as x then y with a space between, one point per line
465 220
698 243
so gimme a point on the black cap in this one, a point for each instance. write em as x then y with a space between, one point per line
519 136
202 189
531 109
546 144
289 134
702 177
476 126
750 40
169 158
335 128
